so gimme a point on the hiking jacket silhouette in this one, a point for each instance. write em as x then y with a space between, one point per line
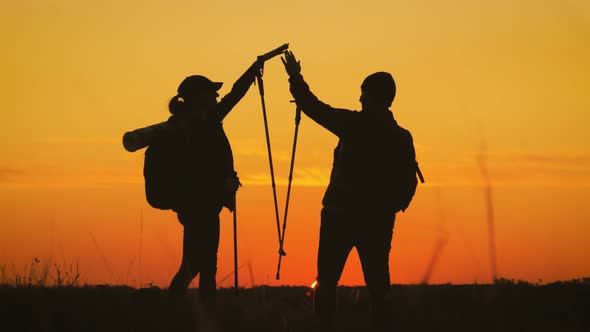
206 158
365 158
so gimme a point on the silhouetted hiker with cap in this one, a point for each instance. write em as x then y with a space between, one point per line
359 204
209 181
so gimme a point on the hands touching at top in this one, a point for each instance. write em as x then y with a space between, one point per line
292 65
259 63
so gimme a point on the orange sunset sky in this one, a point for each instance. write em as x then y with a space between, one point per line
503 83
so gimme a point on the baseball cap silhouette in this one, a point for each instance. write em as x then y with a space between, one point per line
196 84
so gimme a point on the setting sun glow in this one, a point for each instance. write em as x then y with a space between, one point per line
495 94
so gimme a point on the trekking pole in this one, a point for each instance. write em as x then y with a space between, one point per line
272 173
235 246
263 58
281 250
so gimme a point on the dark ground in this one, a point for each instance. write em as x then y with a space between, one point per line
504 306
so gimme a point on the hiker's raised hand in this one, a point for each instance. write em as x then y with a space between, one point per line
257 66
292 65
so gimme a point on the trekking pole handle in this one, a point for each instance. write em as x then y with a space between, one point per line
277 51
297 112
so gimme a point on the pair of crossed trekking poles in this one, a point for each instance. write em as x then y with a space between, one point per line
281 234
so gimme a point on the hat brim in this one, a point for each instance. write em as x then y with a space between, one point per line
216 85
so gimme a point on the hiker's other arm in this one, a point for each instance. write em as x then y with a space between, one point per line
334 119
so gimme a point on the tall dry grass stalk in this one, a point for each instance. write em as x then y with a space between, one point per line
441 242
483 165
37 274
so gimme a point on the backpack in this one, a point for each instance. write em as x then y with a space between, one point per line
406 169
161 173
374 168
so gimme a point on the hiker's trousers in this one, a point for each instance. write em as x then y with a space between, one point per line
200 242
370 232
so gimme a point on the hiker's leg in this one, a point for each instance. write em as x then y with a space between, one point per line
210 244
373 246
334 247
189 266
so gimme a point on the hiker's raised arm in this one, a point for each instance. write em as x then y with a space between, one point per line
239 89
333 119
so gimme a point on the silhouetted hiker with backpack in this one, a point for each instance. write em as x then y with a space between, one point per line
373 177
190 170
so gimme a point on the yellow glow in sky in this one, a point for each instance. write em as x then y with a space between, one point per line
508 75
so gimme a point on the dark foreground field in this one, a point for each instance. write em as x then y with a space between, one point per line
505 306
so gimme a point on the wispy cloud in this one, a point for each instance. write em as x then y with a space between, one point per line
565 160
306 177
566 166
509 168
51 177
260 153
8 174
80 140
